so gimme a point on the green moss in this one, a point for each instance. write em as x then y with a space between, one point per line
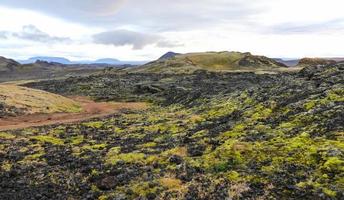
200 134
148 145
309 105
336 95
334 164
233 176
289 125
32 158
6 166
103 197
95 147
268 169
114 151
113 156
76 140
142 189
94 172
239 127
94 188
118 130
330 193
96 125
57 131
179 151
227 156
6 136
261 112
222 109
48 139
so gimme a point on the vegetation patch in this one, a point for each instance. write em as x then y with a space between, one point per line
48 139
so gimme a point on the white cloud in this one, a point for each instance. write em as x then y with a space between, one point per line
137 40
141 30
32 33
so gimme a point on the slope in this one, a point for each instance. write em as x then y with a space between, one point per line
16 100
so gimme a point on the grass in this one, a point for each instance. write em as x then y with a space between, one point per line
171 183
36 101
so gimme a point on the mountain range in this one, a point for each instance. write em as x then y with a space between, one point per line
65 61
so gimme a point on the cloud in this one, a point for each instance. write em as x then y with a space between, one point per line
78 11
3 35
259 26
307 28
168 44
151 14
123 37
182 15
32 33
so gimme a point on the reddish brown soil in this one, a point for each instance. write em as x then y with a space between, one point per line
91 110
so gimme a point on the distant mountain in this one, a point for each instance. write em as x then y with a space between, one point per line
111 61
211 61
65 61
169 55
107 61
289 63
61 60
11 70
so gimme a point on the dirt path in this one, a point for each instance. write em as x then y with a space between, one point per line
91 110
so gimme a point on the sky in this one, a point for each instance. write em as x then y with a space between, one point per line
145 29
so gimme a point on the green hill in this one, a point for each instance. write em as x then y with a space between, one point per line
212 61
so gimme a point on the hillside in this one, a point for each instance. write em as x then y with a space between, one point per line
16 100
7 65
212 61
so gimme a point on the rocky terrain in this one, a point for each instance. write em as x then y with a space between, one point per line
207 135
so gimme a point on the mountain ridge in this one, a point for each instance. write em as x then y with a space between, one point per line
65 61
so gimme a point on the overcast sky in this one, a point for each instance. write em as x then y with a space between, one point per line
145 29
